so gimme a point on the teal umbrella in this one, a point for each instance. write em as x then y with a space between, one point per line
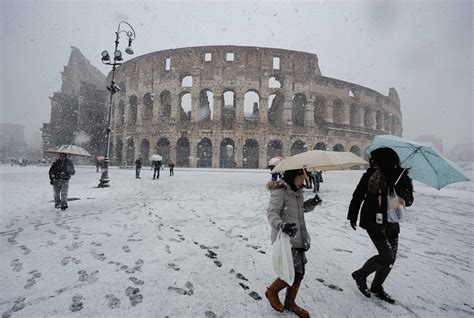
425 163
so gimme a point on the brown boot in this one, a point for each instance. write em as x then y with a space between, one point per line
272 294
290 300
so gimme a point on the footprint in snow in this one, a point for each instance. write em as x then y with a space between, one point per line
77 303
126 248
112 301
173 266
16 264
134 295
210 314
25 250
136 281
17 306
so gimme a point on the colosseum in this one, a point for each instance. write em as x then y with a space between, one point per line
236 106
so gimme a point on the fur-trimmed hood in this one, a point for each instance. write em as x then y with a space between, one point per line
273 185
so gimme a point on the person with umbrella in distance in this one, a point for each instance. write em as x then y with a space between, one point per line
156 169
59 174
286 213
383 175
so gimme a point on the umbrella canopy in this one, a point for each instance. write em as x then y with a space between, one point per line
275 160
100 158
71 150
156 158
316 160
425 163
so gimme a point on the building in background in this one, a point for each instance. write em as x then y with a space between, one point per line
12 141
78 109
437 142
462 153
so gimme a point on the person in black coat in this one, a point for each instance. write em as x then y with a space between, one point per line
59 174
371 192
138 167
156 169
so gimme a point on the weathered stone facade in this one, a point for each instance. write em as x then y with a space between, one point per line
225 106
78 110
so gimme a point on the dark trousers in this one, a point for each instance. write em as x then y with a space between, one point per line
171 172
137 173
156 173
381 264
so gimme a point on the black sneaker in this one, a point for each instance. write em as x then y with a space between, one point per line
361 284
380 293
64 207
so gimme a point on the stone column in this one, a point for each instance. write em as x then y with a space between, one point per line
263 110
193 153
175 104
123 160
287 118
262 154
194 106
239 106
137 145
173 151
309 114
216 152
217 107
238 152
126 113
346 113
156 108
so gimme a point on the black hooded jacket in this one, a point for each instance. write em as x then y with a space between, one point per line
370 208
61 169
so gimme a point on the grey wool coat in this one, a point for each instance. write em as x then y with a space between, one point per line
288 206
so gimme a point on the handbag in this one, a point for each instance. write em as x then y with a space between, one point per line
283 258
396 207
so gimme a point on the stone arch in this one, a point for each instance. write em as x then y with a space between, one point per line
204 153
320 110
227 153
130 160
133 107
252 105
206 105
355 149
148 106
354 118
298 109
251 154
320 146
298 147
274 148
338 147
275 109
183 150
121 112
165 101
229 109
163 148
185 106
275 82
338 112
145 151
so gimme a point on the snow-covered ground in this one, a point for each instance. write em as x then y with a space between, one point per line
197 245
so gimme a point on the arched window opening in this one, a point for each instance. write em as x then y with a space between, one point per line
204 153
132 116
165 100
206 105
251 106
320 146
251 154
185 107
183 151
298 110
148 106
145 151
275 109
298 147
355 150
187 81
163 149
274 148
227 154
273 82
338 147
130 151
228 110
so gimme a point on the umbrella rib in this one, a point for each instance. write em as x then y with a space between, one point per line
436 172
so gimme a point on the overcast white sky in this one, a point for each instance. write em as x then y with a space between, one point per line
422 48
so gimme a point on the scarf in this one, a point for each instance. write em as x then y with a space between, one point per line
376 182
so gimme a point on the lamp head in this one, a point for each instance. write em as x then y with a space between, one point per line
105 56
118 55
129 49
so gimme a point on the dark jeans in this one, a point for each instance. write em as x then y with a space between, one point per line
156 173
137 173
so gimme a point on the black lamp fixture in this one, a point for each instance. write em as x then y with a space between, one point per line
114 88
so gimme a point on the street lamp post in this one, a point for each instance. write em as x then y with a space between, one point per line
114 88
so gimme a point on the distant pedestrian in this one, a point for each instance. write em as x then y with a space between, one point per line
59 174
156 169
138 167
317 179
286 213
372 190
97 165
171 165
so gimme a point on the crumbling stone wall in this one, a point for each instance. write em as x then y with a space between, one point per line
233 106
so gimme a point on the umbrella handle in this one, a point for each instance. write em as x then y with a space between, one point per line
401 174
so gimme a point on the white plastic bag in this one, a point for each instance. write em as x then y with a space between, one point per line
395 208
283 258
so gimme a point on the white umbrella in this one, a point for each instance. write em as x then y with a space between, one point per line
320 160
71 150
156 158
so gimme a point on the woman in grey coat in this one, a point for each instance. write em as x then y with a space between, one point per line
286 212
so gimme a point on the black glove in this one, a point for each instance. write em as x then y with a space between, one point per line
316 200
354 224
290 229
